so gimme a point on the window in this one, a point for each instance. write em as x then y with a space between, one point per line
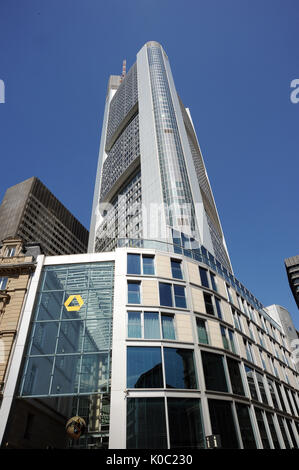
273 393
224 338
179 296
214 282
208 304
248 348
245 426
237 320
229 296
218 307
146 425
202 331
214 372
251 382
151 325
165 294
204 277
148 265
228 339
283 432
235 376
176 269
133 292
11 251
179 368
144 367
223 423
133 264
262 428
3 282
273 430
167 322
260 381
134 324
185 424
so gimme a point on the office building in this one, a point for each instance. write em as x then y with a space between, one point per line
292 268
30 211
150 338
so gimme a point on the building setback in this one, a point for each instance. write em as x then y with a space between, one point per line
30 211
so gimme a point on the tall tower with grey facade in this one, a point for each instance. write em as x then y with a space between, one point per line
152 185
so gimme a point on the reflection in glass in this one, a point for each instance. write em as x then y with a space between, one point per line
179 296
179 368
44 338
144 367
235 376
262 428
214 372
97 334
222 422
134 292
38 376
185 424
65 377
165 294
146 425
133 266
94 373
245 426
50 305
70 337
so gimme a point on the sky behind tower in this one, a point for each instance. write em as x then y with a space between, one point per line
233 62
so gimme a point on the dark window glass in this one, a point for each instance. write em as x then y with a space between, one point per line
294 443
235 376
133 266
65 377
165 294
144 367
134 325
134 292
167 322
218 308
245 426
213 280
214 372
146 425
273 431
148 265
201 331
208 303
262 388
204 277
185 424
251 382
176 269
44 338
179 296
273 395
222 423
289 401
283 432
38 376
280 397
224 338
262 428
179 368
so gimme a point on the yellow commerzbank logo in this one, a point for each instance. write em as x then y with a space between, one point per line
74 308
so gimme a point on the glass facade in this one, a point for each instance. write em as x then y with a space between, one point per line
68 352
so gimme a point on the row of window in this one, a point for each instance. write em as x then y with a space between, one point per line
171 295
164 367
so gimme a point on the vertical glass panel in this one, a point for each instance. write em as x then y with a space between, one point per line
204 277
146 423
179 368
201 331
224 338
168 331
144 367
179 296
208 304
214 372
65 377
283 432
185 423
165 294
235 376
50 306
151 325
273 430
262 428
44 338
134 325
133 292
3 282
214 282
70 337
94 373
148 265
245 426
54 278
262 387
231 341
176 269
223 424
289 425
280 397
251 383
273 394
218 308
38 376
97 334
133 264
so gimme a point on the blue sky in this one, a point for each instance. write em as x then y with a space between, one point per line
232 61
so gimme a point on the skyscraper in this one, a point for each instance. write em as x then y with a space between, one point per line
151 179
29 210
292 268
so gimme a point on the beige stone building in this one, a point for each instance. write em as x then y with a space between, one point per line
16 267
